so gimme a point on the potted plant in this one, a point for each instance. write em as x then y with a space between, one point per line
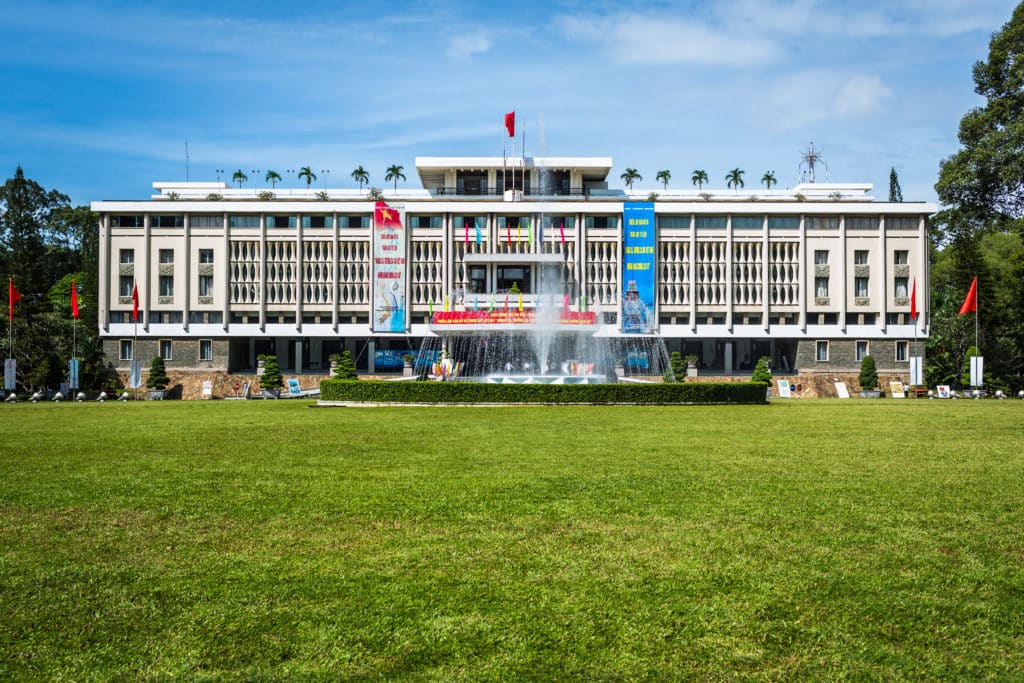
869 378
407 361
271 380
345 367
691 364
157 380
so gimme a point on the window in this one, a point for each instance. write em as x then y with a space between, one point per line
125 348
206 221
602 222
353 222
514 275
206 255
318 221
165 349
784 222
709 222
747 222
860 287
244 221
901 222
205 285
902 348
901 287
135 221
125 284
127 256
167 221
678 222
821 351
860 257
861 222
205 349
821 287
478 279
899 257
862 350
166 256
166 285
424 221
821 257
281 221
822 222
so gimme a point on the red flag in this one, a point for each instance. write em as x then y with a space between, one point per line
913 300
135 302
386 217
971 302
74 300
561 231
565 304
13 296
510 123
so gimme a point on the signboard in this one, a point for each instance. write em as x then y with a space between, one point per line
841 390
294 389
389 272
508 316
916 371
394 359
977 371
638 270
135 375
207 388
896 389
73 373
943 391
10 374
784 389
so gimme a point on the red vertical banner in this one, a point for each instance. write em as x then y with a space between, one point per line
510 123
135 302
74 300
913 301
13 296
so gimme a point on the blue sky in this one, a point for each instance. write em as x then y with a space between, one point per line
99 98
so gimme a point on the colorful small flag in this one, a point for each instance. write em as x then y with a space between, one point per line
479 237
13 296
971 302
583 303
506 302
508 233
467 233
74 300
561 231
446 304
565 304
529 235
520 302
510 123
135 302
913 300
430 309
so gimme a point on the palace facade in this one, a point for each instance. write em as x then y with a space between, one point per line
815 276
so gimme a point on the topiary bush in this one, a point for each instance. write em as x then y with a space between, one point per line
868 374
677 366
476 392
271 377
346 367
158 378
762 371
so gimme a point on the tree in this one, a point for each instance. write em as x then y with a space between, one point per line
895 193
663 177
631 176
307 173
273 177
395 173
158 378
361 176
676 368
762 371
271 377
346 367
239 177
734 179
868 374
983 183
699 177
768 179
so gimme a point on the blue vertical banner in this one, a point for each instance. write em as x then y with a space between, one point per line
638 268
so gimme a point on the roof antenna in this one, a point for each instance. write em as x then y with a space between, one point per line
811 157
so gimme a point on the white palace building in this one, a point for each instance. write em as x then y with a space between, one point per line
815 276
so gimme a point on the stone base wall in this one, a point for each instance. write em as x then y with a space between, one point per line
815 384
842 355
184 353
188 385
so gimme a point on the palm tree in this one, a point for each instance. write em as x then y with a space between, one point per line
664 177
273 177
630 176
307 173
239 177
395 173
699 177
361 176
734 179
769 179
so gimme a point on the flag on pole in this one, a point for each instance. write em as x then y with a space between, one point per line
445 303
74 300
561 231
13 296
479 237
971 302
467 233
913 300
508 233
565 304
510 123
529 235
519 230
135 302
520 302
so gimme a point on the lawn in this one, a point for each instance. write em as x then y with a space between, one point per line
267 540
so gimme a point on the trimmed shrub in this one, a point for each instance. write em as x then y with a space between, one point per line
762 373
158 378
271 377
868 374
346 367
475 392
678 367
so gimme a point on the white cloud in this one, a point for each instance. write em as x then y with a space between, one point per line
860 96
464 46
807 97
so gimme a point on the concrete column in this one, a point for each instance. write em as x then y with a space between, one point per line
843 284
882 286
766 271
335 275
147 279
371 351
693 274
225 286
105 270
263 272
729 303
186 270
300 293
806 283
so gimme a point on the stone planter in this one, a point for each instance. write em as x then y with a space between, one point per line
407 368
691 370
260 367
156 394
871 393
270 393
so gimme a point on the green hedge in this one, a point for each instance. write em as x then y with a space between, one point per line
474 392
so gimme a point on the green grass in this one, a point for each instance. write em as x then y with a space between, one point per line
265 540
